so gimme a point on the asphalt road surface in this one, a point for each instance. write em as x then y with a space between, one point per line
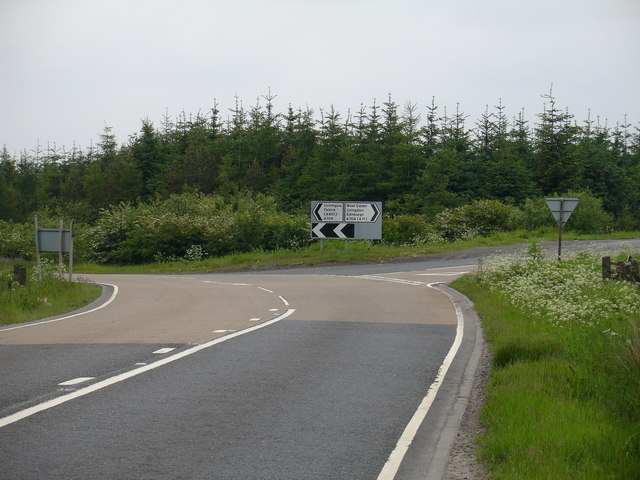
335 373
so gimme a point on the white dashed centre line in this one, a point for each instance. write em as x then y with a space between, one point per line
75 381
27 412
164 350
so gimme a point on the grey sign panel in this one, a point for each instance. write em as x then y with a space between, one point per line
346 220
49 240
329 212
361 212
562 208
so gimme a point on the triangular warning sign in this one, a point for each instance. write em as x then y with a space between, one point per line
562 208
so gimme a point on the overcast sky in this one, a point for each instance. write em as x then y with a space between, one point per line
71 67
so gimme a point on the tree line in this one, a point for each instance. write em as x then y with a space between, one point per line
416 163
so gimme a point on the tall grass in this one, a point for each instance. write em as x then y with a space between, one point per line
41 297
564 394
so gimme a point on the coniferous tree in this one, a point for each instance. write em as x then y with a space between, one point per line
557 168
147 157
508 174
9 197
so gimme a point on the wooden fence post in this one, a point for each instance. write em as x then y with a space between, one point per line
606 268
20 274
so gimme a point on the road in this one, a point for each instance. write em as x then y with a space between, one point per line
346 372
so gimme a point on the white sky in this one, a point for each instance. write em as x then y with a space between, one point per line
70 67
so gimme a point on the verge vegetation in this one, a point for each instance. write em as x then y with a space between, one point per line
42 297
193 227
563 400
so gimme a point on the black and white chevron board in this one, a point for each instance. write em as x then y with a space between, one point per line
346 220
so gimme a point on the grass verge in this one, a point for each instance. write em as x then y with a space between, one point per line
53 295
337 251
563 400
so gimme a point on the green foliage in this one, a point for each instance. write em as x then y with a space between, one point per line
566 361
405 229
47 294
17 240
588 217
172 228
439 181
479 218
379 153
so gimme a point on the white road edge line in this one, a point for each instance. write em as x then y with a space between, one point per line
395 459
452 267
130 374
35 324
444 274
437 268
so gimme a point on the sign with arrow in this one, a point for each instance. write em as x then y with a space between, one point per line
329 212
333 230
346 220
361 212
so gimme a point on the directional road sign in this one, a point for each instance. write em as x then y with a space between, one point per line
361 212
329 212
562 208
342 219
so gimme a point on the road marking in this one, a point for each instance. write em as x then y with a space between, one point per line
224 331
75 381
265 289
255 319
274 309
390 279
443 274
35 324
132 373
164 350
454 266
284 300
226 283
393 463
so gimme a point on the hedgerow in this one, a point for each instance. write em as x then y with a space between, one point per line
192 225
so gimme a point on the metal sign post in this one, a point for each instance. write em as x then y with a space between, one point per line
561 209
54 240
560 226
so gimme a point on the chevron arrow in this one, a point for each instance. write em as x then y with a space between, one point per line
332 230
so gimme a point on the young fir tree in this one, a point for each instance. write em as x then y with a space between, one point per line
508 174
557 167
148 158
9 197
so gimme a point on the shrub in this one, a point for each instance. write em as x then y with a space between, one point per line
588 217
405 229
172 228
17 240
479 218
